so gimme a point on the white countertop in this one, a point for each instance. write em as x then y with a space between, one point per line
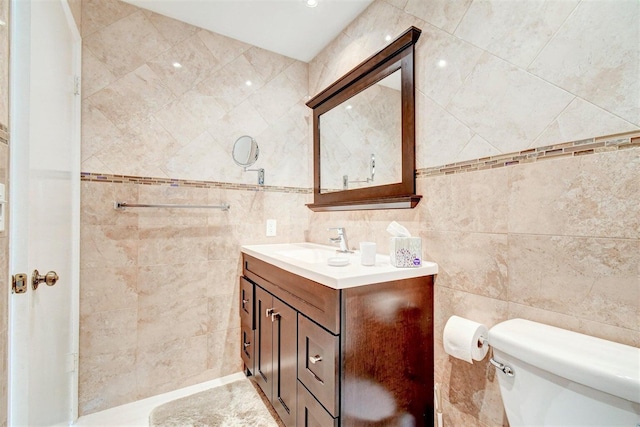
309 260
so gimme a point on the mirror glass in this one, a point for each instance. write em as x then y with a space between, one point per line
245 151
361 139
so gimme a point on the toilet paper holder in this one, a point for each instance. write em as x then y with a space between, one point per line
482 341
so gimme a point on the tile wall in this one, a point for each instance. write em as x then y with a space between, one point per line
519 221
517 76
159 287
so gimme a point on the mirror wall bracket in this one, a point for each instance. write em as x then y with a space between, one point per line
397 55
260 174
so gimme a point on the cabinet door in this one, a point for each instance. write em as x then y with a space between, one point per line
263 351
310 412
285 328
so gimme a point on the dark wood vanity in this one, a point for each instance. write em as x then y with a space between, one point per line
358 356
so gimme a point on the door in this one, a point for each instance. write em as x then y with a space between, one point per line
44 201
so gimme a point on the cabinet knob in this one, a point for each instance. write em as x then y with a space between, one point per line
244 301
246 344
268 312
275 316
315 359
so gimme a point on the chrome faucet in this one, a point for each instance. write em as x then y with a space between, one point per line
341 240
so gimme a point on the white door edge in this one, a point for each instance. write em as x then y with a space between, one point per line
18 120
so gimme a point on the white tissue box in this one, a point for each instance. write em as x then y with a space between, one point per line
406 251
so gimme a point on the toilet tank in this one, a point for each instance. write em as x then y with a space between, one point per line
563 378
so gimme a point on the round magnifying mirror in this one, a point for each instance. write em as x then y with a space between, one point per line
245 151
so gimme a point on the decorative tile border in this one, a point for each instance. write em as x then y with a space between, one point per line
141 180
567 149
4 134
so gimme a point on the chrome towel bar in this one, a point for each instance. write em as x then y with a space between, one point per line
123 205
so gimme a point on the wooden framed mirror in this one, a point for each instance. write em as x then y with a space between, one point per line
364 133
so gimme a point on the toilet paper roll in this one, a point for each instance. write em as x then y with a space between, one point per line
461 339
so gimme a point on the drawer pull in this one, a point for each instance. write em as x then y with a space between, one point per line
317 378
315 359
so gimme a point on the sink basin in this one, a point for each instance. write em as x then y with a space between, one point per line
308 253
309 260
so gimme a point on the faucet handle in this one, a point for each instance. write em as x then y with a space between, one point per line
340 229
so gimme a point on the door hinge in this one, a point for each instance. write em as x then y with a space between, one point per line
76 85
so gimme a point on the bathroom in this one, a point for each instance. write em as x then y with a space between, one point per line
554 241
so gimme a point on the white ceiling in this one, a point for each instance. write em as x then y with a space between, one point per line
287 27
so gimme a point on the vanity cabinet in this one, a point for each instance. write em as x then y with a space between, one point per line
359 356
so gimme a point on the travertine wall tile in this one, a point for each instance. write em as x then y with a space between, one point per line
491 232
594 195
588 278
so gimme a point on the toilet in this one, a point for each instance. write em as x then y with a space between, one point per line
553 377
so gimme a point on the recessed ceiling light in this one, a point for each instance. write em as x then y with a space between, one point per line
311 3
177 65
2 23
248 83
349 107
387 37
442 63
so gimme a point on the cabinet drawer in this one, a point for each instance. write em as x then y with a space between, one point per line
247 346
310 412
247 297
318 362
